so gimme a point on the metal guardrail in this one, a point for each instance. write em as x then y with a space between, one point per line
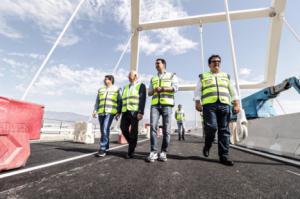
51 126
57 127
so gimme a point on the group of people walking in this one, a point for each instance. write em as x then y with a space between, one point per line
214 95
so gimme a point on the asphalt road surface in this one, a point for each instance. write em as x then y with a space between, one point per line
186 174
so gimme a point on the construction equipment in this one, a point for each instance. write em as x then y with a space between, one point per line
259 105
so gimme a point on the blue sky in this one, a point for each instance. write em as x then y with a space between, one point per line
95 39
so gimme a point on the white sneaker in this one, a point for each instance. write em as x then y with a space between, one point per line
163 157
152 157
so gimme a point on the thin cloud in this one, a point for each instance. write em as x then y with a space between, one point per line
68 39
52 15
61 79
21 66
8 31
28 55
157 41
250 79
49 15
245 72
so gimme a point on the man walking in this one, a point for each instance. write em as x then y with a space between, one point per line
214 95
162 87
180 116
107 106
133 105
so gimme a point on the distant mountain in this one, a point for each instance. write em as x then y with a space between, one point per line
65 116
74 117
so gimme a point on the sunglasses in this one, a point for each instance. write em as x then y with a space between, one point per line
216 61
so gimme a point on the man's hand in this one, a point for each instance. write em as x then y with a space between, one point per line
158 89
139 116
117 116
94 114
236 106
198 106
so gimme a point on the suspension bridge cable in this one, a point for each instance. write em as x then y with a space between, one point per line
292 30
280 106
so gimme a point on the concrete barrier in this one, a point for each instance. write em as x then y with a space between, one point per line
279 135
83 132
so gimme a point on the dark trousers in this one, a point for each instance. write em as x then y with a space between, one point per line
129 126
216 119
180 130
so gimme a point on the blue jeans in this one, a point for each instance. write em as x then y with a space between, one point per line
105 121
216 118
166 113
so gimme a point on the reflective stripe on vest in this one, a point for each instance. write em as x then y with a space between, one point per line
163 98
215 87
130 98
179 115
108 101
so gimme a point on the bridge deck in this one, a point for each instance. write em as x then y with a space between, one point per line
186 174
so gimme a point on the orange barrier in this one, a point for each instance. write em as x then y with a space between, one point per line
19 123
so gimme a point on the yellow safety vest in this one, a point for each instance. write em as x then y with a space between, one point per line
215 87
130 98
108 101
163 98
179 115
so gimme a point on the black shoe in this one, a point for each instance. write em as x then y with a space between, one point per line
129 156
100 154
226 162
205 152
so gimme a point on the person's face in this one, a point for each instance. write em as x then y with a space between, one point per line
160 67
132 77
215 65
107 82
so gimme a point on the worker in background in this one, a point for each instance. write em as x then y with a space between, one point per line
107 106
133 105
180 116
214 95
162 87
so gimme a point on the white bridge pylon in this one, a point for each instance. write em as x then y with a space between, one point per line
274 12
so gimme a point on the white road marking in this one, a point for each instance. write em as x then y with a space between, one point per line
18 188
295 173
57 162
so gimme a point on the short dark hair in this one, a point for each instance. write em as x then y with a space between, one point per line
163 61
111 78
213 56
